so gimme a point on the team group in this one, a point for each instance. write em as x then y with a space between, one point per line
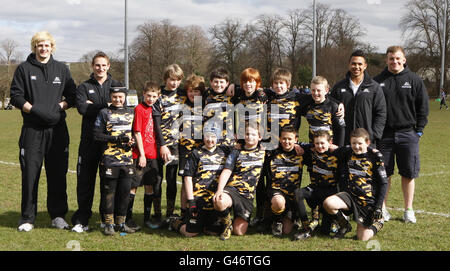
358 130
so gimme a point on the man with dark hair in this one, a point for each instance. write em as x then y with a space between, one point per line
407 115
91 96
363 99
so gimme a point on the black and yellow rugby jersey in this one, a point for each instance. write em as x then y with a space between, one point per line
246 167
113 121
322 167
191 128
219 108
205 167
285 170
323 117
288 105
249 109
367 179
171 105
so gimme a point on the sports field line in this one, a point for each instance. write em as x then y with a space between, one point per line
391 208
419 212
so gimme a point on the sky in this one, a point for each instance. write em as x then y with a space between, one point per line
81 26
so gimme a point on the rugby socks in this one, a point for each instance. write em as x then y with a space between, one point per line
130 207
157 206
170 207
148 200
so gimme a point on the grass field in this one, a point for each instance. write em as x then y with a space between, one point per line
431 233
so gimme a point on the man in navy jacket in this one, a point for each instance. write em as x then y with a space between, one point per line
43 89
407 115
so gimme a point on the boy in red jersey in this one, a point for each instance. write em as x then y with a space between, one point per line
147 133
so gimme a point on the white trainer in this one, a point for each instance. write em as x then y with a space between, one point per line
80 228
409 217
25 227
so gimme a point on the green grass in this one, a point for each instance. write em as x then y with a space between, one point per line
432 232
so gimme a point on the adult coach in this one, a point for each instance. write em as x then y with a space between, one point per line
91 96
43 89
363 99
407 115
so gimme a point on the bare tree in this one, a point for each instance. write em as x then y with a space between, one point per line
293 24
170 38
347 30
196 47
7 54
268 44
229 39
423 25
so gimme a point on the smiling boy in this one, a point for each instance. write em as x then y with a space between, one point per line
237 183
322 114
365 191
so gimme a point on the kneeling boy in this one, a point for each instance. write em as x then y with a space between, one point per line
366 189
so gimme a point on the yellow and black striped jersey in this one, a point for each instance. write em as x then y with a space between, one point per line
367 179
205 167
322 167
323 117
219 109
113 121
191 127
171 105
285 170
246 167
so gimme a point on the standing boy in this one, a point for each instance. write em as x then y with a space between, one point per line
171 101
219 106
407 116
113 128
43 89
147 132
237 182
367 186
322 114
91 96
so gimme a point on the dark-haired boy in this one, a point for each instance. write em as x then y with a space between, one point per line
284 176
366 189
113 127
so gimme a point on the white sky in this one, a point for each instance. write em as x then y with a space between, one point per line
80 26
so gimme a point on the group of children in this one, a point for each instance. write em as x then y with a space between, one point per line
226 161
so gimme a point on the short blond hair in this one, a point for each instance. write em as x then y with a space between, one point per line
42 36
281 75
173 71
320 80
